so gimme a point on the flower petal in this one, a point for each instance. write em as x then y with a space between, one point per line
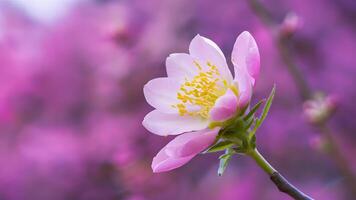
191 143
172 124
162 162
180 66
161 93
225 107
182 149
246 55
244 85
206 51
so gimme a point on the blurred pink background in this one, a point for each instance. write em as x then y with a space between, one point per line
71 100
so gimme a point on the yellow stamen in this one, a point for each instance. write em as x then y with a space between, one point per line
202 91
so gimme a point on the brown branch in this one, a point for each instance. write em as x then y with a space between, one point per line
286 187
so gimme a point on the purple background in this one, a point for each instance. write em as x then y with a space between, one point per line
71 100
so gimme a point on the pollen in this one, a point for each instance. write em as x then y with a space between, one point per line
201 91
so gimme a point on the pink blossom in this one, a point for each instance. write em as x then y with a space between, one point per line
198 91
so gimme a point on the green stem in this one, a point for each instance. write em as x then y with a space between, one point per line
261 161
282 183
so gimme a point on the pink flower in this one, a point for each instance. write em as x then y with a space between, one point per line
199 90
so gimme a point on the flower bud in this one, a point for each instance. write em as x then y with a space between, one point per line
290 25
320 108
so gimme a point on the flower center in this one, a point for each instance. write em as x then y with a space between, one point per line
198 95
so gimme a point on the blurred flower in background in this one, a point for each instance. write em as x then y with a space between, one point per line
71 102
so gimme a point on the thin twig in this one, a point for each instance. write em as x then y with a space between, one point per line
302 85
338 157
286 187
282 46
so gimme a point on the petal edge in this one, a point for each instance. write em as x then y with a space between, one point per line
172 124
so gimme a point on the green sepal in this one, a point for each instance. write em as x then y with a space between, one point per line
236 129
243 110
224 161
266 107
253 142
219 146
249 122
259 121
254 109
239 150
